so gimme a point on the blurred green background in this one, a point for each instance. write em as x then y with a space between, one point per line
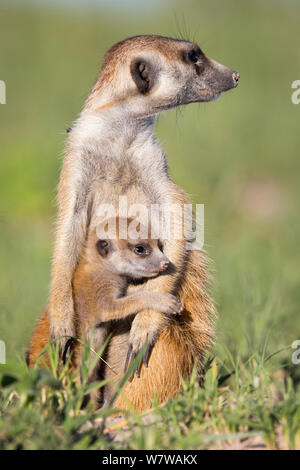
239 156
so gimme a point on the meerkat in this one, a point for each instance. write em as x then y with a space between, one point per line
111 152
109 265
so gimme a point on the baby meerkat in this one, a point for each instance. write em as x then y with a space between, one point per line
111 265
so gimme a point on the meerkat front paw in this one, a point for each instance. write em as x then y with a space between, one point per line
144 331
167 303
62 331
64 338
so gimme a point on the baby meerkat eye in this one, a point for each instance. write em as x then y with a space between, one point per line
141 250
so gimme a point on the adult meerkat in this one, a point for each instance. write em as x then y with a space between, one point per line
111 152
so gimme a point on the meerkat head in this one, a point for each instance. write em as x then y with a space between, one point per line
131 254
146 75
135 259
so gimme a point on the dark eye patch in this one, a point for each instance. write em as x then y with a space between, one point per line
193 57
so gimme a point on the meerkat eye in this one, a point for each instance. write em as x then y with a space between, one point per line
141 250
193 57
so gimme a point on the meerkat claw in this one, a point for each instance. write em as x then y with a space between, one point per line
133 356
67 347
127 358
147 355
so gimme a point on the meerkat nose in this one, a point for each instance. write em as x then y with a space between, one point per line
164 264
235 78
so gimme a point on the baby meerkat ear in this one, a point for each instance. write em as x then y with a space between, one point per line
143 74
103 247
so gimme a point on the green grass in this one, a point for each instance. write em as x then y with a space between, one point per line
239 156
42 409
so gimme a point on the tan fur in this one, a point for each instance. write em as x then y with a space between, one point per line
39 340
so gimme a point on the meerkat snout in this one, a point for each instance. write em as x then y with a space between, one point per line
235 78
164 264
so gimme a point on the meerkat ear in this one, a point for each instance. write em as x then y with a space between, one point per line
143 74
103 247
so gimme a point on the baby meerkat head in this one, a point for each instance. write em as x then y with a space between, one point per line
135 259
148 74
131 253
